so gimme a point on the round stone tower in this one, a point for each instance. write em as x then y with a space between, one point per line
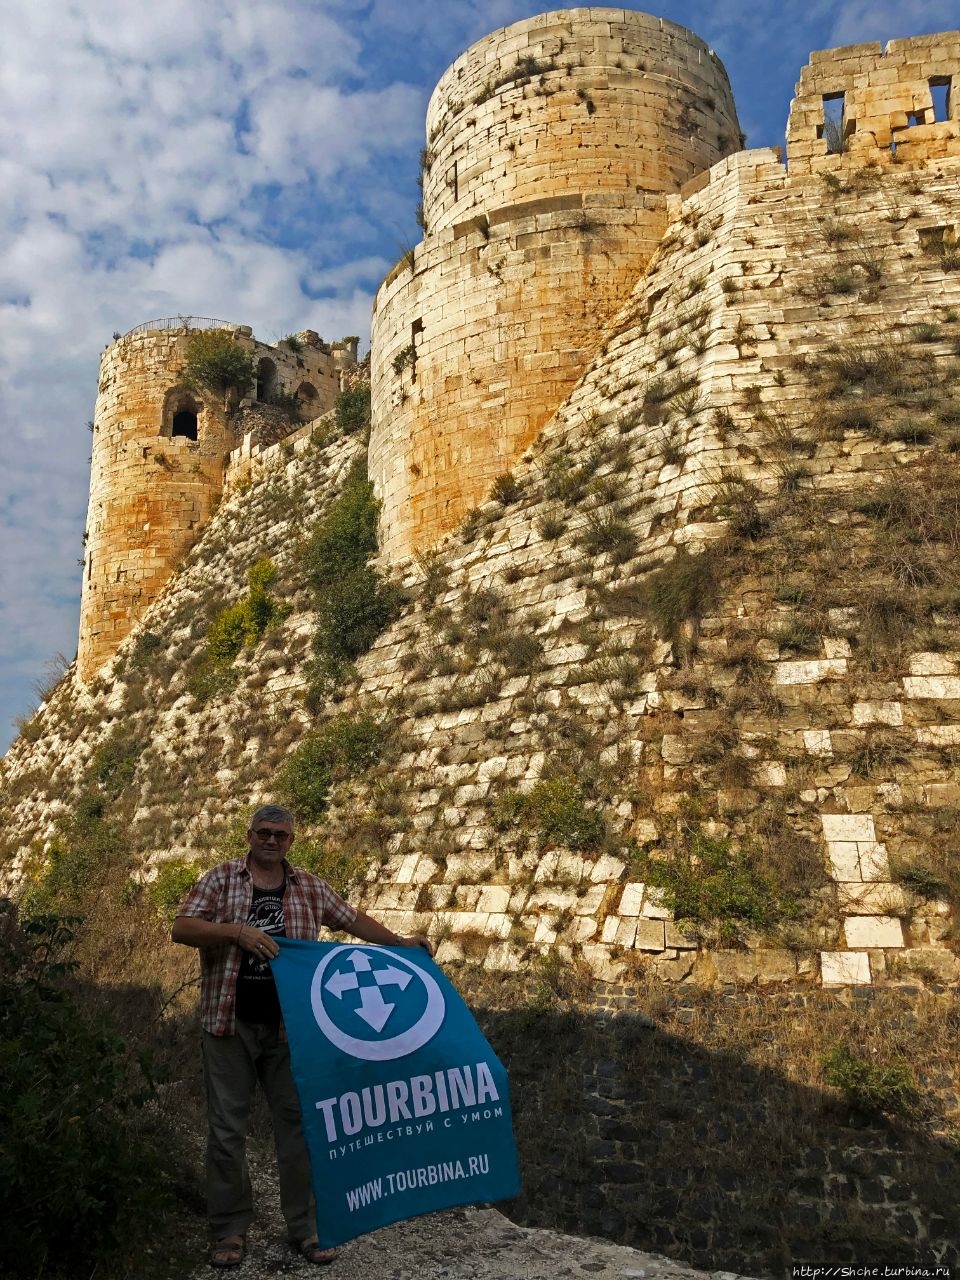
156 475
159 456
551 146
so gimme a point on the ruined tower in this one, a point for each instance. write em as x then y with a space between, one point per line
159 458
551 147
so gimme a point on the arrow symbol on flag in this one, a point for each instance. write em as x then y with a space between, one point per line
374 1010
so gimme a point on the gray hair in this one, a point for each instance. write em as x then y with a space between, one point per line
273 813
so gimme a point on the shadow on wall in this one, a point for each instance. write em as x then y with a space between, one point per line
630 1131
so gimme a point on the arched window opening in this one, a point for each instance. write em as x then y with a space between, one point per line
185 424
306 394
181 415
266 380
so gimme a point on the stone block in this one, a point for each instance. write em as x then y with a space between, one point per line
809 672
848 826
494 897
932 664
844 859
941 687
632 899
649 935
674 936
817 742
874 898
874 864
878 713
936 964
866 932
844 968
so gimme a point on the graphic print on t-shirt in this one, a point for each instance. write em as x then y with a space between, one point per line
266 913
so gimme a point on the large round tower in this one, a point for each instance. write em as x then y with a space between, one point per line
551 146
159 454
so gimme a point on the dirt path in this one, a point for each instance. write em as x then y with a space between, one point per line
463 1244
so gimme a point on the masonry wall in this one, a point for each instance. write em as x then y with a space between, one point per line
889 109
550 147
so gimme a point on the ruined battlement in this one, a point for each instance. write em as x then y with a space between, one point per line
875 104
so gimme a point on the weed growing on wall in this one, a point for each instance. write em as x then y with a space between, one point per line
352 409
558 809
244 623
870 1087
709 881
345 747
353 601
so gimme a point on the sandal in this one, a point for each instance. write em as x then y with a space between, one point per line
310 1249
227 1252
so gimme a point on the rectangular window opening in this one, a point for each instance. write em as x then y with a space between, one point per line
940 93
456 183
833 121
416 329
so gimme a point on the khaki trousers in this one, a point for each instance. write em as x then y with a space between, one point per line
233 1067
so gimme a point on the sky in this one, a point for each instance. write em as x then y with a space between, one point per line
254 161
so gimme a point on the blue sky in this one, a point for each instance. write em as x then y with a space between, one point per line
254 161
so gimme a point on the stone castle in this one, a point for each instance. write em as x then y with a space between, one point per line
559 150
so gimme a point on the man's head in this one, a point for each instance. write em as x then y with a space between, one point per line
271 833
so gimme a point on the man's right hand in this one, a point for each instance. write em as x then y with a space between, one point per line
257 943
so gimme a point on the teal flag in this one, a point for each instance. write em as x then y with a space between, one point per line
406 1108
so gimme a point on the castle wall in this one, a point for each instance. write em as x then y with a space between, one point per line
890 114
551 146
151 490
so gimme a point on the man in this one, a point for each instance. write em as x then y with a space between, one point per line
232 915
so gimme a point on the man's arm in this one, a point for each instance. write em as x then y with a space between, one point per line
194 931
369 930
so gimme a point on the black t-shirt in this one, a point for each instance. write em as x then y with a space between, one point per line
257 999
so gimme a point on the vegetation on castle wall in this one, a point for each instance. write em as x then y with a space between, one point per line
244 623
352 409
345 747
353 601
217 362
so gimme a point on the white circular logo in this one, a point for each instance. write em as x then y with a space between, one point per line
359 993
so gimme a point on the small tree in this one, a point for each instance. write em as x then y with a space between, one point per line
217 362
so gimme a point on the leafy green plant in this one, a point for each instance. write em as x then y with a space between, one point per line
868 1086
353 601
705 879
557 808
217 362
351 409
345 747
244 623
169 887
71 1102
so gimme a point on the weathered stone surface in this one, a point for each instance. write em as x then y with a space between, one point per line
844 968
873 931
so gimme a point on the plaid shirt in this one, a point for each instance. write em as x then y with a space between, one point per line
223 896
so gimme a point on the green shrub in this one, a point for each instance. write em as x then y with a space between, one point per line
115 762
353 602
352 409
557 808
506 489
169 888
332 861
217 362
868 1086
79 1181
703 878
85 847
245 622
345 747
